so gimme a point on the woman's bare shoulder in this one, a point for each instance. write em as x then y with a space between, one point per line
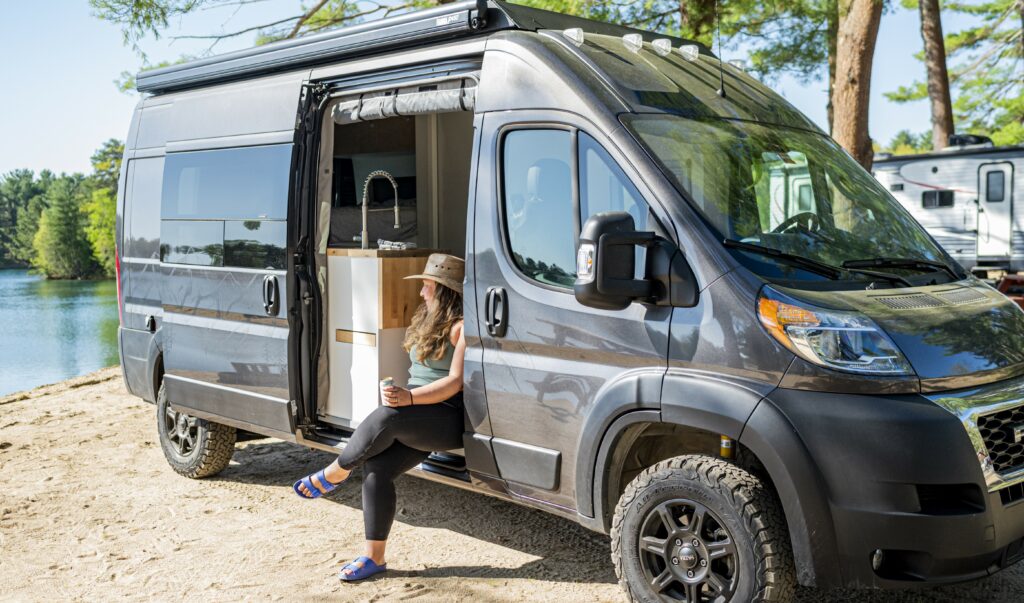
456 333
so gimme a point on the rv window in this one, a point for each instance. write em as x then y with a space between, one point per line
995 185
243 184
143 207
934 199
603 187
225 207
538 204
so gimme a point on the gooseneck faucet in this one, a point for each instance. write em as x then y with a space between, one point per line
366 203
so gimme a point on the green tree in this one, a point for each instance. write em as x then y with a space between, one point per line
99 192
106 164
27 222
61 248
17 188
906 142
985 71
100 211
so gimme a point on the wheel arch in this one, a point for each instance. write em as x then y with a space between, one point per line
688 402
773 440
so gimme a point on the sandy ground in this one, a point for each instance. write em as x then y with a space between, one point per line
89 510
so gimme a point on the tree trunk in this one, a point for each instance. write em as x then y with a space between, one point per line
855 51
833 33
938 78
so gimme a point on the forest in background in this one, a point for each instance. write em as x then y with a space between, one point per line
62 226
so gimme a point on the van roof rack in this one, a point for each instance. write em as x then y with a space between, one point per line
448 22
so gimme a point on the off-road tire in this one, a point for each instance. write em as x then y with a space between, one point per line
747 509
212 449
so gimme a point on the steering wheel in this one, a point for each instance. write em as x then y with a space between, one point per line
806 219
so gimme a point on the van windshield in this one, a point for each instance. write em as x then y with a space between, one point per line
789 190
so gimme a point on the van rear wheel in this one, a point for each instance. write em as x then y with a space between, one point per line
193 447
698 529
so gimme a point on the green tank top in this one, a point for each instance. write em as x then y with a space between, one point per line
430 370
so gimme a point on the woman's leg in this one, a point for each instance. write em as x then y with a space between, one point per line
427 427
379 473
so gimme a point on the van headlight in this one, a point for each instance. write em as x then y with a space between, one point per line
844 341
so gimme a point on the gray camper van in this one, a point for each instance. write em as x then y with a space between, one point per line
693 322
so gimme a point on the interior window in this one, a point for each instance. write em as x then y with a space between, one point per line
995 184
538 204
604 187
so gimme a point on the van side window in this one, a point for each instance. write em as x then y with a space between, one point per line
143 208
538 204
226 207
604 187
933 199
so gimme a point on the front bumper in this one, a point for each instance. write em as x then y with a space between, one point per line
908 494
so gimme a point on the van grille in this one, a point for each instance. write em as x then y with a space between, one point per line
962 297
1003 433
910 302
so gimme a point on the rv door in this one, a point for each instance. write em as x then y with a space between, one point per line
995 209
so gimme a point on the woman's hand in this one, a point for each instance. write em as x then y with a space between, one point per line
396 396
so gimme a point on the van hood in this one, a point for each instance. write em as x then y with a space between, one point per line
956 335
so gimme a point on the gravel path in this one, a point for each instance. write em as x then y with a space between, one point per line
89 510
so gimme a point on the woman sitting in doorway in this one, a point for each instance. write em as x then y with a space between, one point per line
413 422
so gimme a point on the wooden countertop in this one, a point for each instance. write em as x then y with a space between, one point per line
381 253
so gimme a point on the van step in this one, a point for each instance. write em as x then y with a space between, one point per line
430 467
451 462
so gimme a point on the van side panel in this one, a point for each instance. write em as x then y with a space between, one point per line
222 214
138 244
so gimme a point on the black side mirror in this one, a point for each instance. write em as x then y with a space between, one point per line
606 264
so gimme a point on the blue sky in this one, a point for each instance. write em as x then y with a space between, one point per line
58 101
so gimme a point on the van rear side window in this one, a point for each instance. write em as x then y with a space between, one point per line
143 208
226 207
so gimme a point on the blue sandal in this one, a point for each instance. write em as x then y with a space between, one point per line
361 572
308 483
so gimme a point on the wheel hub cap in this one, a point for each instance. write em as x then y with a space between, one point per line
687 557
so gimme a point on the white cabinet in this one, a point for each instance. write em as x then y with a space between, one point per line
369 305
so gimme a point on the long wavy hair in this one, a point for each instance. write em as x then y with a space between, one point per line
431 327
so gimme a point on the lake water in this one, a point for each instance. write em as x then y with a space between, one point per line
53 330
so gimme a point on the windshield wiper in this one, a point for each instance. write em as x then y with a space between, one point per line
832 272
909 263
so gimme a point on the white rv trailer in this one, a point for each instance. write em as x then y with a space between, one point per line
968 196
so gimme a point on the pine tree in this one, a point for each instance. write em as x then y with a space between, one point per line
61 247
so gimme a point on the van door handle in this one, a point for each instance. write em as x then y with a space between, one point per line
270 295
496 312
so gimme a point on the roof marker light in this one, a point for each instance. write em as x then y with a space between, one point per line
634 42
663 47
739 64
690 52
575 35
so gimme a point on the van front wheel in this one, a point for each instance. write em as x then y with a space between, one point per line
193 447
697 528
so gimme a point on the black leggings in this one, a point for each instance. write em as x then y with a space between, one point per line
392 441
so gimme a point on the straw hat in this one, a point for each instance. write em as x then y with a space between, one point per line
445 269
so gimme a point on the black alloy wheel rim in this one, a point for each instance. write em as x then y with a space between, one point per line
182 431
687 554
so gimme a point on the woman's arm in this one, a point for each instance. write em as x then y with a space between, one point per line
443 388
